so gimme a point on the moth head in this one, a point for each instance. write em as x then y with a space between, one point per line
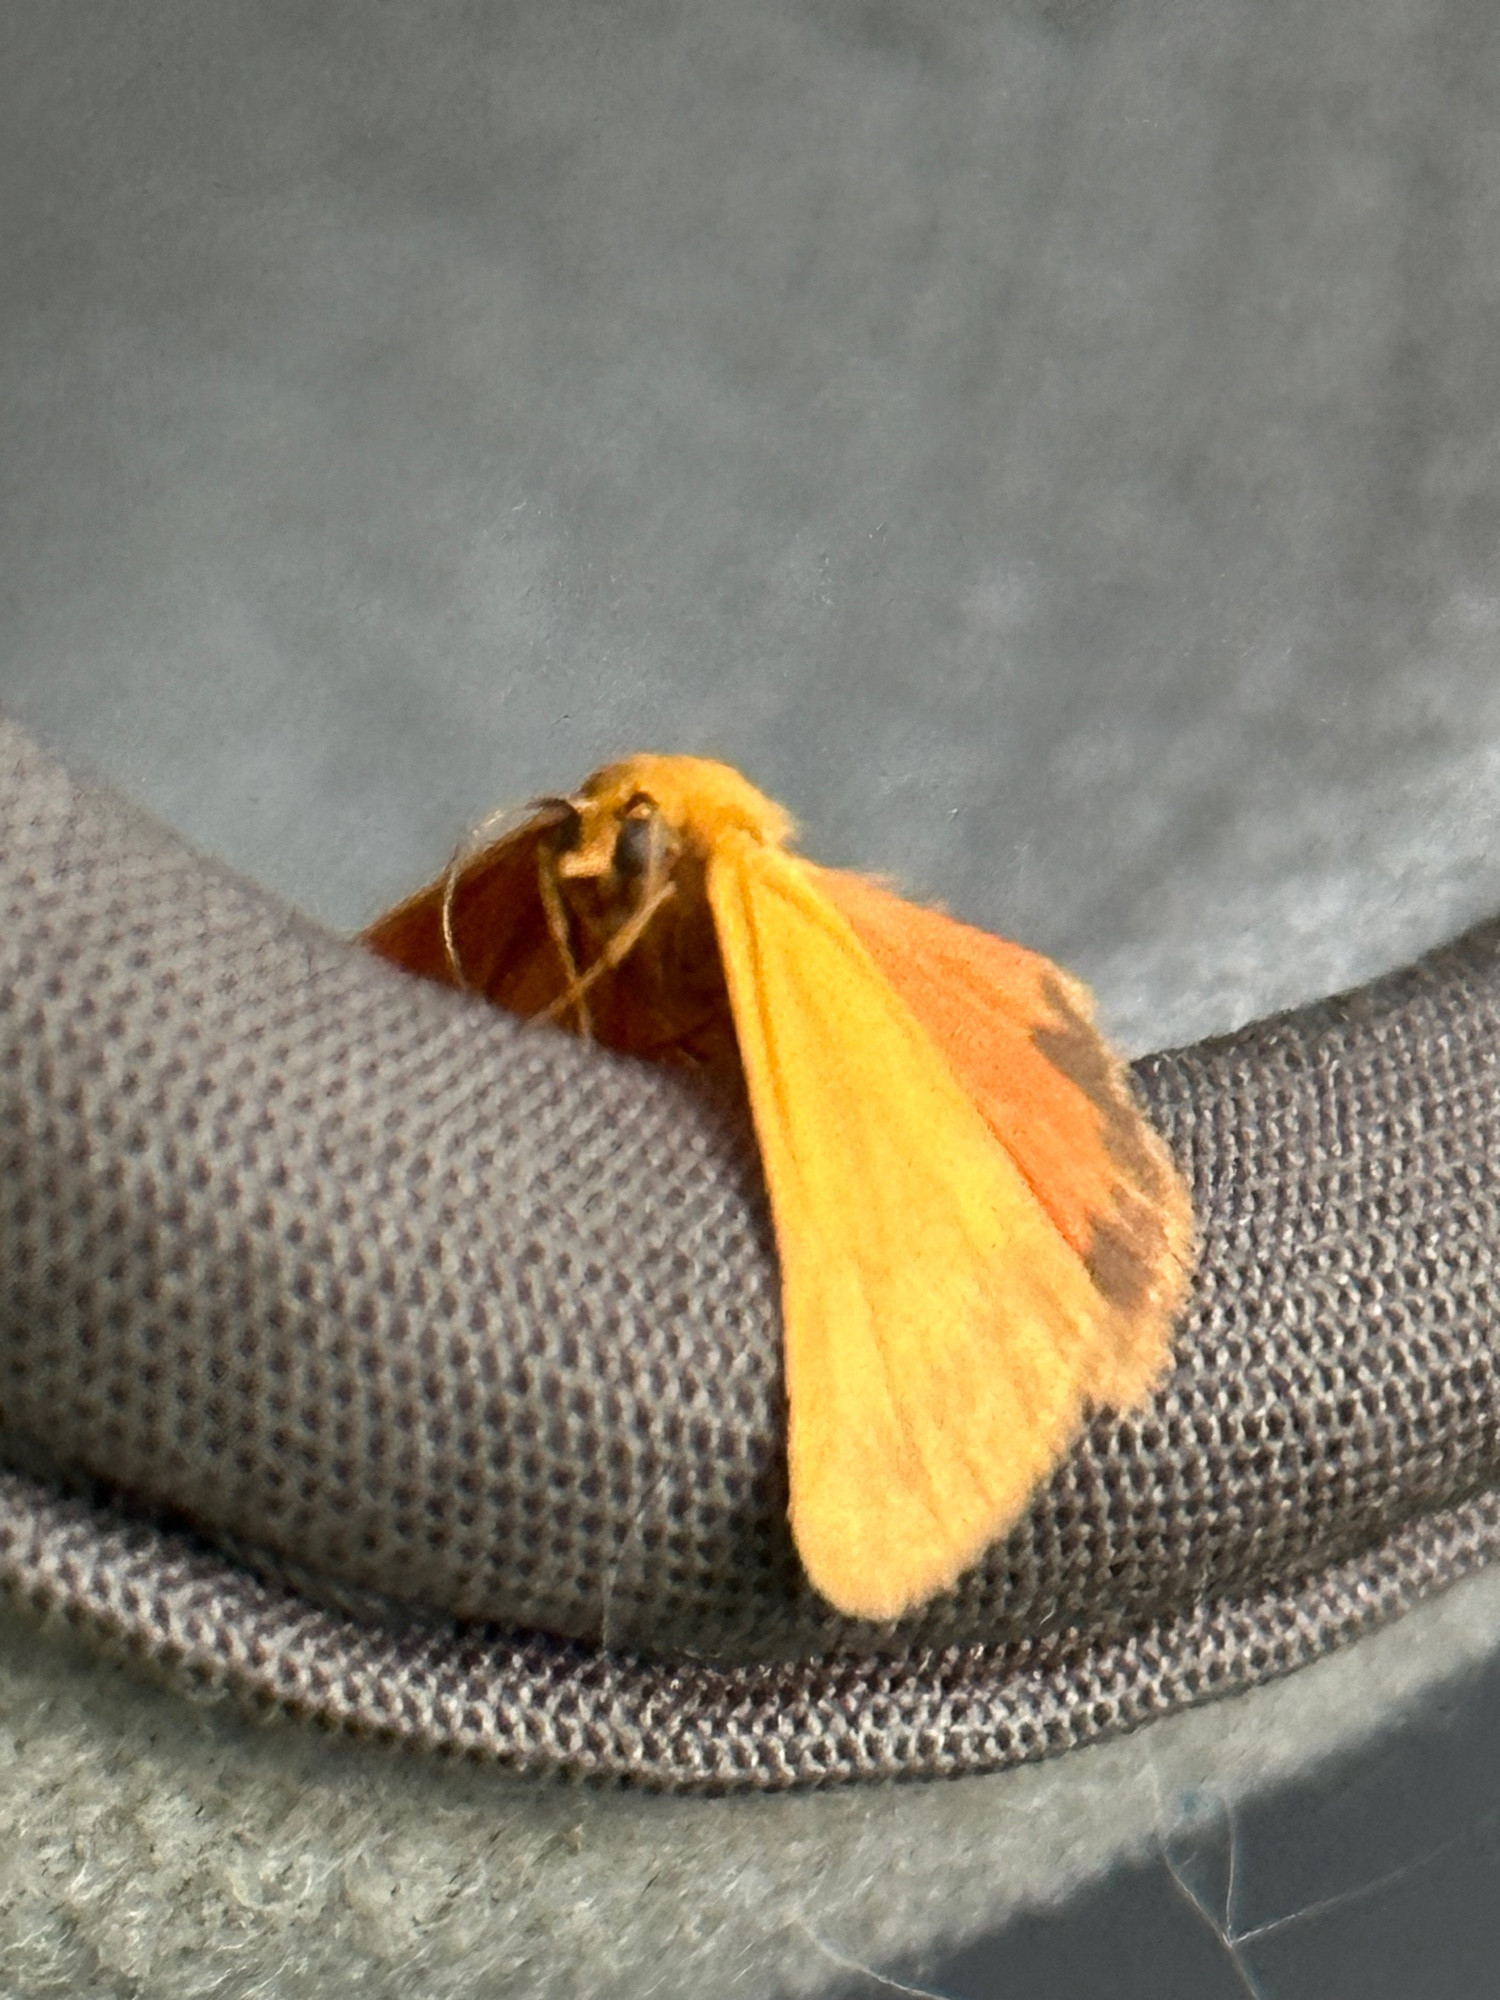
695 801
627 842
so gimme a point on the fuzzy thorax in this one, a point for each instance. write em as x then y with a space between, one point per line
701 801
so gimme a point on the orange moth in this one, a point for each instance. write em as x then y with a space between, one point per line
980 1236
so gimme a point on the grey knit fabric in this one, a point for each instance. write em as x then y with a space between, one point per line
440 1319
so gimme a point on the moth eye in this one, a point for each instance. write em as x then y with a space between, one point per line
636 845
563 823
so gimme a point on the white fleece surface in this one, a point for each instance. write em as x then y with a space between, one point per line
152 1845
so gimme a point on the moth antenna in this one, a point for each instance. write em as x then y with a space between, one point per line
619 948
473 844
450 944
556 914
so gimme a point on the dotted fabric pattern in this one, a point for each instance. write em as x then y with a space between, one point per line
346 1326
538 1704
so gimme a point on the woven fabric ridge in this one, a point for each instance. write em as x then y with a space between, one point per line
537 1704
420 1303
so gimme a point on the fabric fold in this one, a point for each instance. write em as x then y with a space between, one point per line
384 1327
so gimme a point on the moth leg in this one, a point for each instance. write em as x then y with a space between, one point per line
670 1043
555 911
619 948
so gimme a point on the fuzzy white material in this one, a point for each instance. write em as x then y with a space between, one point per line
155 1845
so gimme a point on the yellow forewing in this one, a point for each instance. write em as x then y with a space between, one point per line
979 1233
938 1327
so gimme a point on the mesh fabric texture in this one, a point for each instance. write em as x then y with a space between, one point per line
349 1330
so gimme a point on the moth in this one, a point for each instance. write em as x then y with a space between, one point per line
981 1238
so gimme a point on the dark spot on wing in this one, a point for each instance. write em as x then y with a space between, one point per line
1123 1259
1074 1048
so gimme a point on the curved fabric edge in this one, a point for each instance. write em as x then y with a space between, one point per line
547 1706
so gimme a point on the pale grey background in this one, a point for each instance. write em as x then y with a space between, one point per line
1051 444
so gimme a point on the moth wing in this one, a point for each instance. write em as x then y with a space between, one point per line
939 1327
499 925
1019 1034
